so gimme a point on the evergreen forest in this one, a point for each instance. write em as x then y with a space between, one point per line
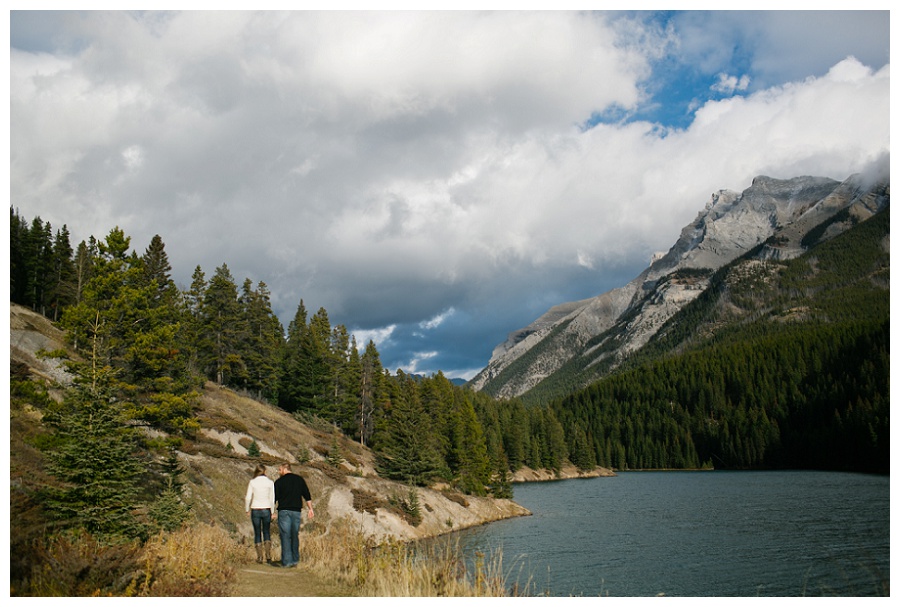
146 347
779 364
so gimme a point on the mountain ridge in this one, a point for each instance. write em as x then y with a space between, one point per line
777 219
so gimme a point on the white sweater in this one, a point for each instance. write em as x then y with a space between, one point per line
260 494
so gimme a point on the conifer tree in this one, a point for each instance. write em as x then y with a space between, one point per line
404 438
220 328
317 365
136 333
83 266
346 380
473 470
289 381
61 288
95 456
156 262
371 391
261 343
17 272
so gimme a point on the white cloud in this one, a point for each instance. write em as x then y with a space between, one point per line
730 84
438 320
379 336
396 167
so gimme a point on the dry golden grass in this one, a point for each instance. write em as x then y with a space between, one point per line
397 569
194 561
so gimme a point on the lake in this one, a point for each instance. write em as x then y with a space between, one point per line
794 533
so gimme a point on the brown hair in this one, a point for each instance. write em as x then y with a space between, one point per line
260 470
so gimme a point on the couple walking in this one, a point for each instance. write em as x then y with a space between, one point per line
289 492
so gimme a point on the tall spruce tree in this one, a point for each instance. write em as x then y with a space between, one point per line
137 334
95 455
261 344
61 282
371 391
289 383
220 330
404 439
473 468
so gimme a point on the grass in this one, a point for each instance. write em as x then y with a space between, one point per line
193 561
202 561
398 569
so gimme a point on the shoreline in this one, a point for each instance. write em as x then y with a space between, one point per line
529 475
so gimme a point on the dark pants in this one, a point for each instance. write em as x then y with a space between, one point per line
289 529
261 519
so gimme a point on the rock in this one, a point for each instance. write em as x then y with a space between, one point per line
730 225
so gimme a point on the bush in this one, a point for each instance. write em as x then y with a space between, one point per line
407 507
78 564
193 561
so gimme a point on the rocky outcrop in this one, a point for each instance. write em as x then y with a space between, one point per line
776 216
528 475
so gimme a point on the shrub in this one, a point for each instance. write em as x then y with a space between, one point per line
335 456
193 561
407 507
365 501
78 564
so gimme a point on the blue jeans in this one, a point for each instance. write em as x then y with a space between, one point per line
289 529
261 519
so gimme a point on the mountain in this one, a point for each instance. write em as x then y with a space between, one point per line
773 220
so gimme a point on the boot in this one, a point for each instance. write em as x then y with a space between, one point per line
259 553
268 544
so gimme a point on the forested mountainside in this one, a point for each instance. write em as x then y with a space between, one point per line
776 364
576 343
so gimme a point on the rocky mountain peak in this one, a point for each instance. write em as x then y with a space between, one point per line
729 225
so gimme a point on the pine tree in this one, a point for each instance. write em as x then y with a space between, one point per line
404 438
260 345
289 380
61 283
136 332
95 456
17 272
220 329
317 365
371 381
470 450
156 264
168 512
83 266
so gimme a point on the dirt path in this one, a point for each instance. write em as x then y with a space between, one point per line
265 580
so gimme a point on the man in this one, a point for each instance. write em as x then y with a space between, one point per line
290 492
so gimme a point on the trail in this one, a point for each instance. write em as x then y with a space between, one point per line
265 580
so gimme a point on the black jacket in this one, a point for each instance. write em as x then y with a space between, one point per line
290 491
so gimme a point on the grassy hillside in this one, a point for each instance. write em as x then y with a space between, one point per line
217 462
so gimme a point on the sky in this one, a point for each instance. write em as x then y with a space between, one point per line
433 180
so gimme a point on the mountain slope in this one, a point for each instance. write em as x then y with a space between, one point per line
217 465
576 343
776 365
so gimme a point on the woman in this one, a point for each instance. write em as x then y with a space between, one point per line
260 507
